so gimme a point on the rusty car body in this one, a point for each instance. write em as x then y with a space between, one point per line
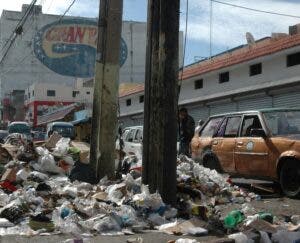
255 144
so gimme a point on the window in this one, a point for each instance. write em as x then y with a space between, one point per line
50 92
75 93
32 93
141 99
221 129
232 127
255 69
138 136
249 123
223 77
88 92
211 127
130 135
198 84
128 102
293 59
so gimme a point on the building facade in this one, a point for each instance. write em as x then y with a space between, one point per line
48 49
41 99
257 75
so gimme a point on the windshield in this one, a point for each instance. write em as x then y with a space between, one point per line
19 128
283 122
65 131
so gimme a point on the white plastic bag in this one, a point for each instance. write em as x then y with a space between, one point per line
48 164
62 147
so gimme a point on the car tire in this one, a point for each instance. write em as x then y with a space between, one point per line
290 178
211 161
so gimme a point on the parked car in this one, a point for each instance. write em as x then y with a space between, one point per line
3 135
132 138
65 129
20 127
257 144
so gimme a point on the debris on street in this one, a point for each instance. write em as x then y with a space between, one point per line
53 190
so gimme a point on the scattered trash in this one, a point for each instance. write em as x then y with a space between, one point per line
54 190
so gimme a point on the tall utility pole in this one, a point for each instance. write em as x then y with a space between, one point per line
107 67
161 89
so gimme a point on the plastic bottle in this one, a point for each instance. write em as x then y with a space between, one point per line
233 219
266 216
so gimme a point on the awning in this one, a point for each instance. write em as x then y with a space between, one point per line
55 115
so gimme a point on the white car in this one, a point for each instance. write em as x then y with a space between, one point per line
133 141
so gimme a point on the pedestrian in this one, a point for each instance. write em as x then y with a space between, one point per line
187 129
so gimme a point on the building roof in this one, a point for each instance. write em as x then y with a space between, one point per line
244 53
263 47
126 89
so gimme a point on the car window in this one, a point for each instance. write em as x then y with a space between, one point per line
232 126
249 123
221 129
138 136
210 128
130 135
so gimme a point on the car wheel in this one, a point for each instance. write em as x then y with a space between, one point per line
210 161
290 178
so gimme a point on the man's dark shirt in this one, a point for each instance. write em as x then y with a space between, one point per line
187 129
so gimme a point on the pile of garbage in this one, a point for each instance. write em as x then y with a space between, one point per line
51 189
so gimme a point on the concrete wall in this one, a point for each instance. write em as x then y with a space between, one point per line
274 71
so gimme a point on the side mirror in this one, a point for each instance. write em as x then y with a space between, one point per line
258 132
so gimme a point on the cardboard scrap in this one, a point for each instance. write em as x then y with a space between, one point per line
192 227
262 225
102 196
10 175
52 141
12 150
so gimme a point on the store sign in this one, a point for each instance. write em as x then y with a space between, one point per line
68 47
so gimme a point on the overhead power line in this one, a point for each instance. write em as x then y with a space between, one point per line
256 10
18 30
67 10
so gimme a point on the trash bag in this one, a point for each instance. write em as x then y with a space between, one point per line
62 147
48 164
83 172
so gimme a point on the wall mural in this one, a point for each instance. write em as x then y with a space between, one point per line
68 47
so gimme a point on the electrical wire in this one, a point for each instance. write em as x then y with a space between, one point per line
256 10
18 25
67 10
14 34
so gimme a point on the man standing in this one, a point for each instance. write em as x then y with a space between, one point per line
187 129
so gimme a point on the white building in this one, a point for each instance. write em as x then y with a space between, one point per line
44 98
263 74
51 50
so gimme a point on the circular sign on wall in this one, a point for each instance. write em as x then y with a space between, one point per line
68 47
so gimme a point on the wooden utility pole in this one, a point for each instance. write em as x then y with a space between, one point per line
161 89
107 67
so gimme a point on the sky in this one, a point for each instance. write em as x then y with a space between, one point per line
229 24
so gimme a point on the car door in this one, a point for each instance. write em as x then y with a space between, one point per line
224 143
251 153
128 141
137 143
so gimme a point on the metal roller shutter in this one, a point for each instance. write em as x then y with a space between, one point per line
287 100
198 112
255 103
222 108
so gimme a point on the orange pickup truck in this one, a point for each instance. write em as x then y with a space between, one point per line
254 144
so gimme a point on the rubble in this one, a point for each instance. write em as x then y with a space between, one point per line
56 192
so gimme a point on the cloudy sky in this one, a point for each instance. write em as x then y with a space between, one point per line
229 24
